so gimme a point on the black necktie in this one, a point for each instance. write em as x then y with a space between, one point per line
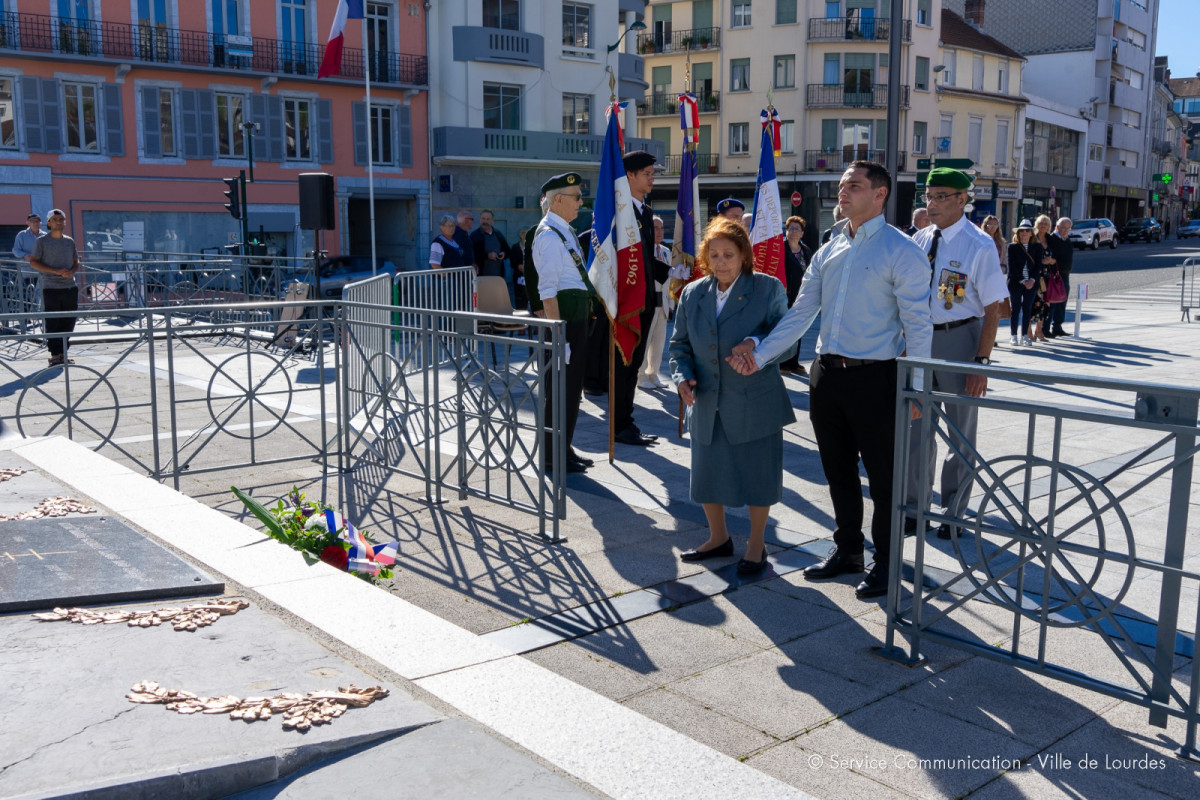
937 237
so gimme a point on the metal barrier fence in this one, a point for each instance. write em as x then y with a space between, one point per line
1189 291
228 396
1052 542
451 289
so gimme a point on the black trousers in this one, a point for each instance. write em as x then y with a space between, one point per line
59 300
625 378
853 413
577 339
596 375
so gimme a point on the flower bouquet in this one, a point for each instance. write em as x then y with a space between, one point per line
316 530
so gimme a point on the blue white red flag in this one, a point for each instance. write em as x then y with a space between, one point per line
766 228
331 63
362 556
615 260
687 225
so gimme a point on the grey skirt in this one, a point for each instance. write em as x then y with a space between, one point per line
735 475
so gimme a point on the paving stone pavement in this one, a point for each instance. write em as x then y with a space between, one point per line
775 672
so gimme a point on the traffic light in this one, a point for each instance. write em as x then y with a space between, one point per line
233 195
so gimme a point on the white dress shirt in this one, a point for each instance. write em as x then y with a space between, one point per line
963 250
556 270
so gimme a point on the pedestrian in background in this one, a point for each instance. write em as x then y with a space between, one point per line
489 246
516 258
57 259
796 256
462 235
445 252
920 221
26 282
1024 273
1041 309
656 338
731 209
736 421
1064 258
829 232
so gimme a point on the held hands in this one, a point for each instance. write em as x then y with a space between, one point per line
685 392
742 358
1027 284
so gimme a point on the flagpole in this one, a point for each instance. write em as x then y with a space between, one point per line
612 337
370 130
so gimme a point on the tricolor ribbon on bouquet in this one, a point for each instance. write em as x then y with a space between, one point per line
363 557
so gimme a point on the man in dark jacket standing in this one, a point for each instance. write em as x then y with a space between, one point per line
489 246
1064 254
639 169
462 236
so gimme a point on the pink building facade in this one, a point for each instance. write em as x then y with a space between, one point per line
123 111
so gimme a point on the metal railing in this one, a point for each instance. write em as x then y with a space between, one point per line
146 42
834 28
169 393
840 158
658 104
1189 290
837 95
1052 540
679 41
706 163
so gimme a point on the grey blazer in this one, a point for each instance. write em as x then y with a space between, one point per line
751 406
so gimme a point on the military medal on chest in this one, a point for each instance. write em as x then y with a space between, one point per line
952 287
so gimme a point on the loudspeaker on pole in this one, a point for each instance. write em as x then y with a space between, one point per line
316 202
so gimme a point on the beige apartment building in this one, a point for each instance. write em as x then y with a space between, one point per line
826 67
980 116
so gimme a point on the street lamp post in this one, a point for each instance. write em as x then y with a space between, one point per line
636 25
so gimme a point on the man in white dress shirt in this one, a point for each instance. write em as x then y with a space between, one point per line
967 287
872 283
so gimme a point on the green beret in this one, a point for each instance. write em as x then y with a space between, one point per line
563 181
638 160
951 178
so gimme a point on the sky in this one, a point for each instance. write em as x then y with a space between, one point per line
1178 29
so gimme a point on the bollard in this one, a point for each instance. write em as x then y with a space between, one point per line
1081 293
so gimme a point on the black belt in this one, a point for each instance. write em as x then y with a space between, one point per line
831 361
945 326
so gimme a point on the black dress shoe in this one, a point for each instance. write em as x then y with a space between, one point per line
592 391
943 531
910 526
745 567
572 466
723 549
838 563
875 584
635 437
578 459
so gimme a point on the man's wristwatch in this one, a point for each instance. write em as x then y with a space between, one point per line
983 360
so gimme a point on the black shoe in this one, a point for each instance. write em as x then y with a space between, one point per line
721 550
635 437
943 531
839 562
875 584
592 391
1050 334
572 466
910 526
1061 332
745 567
578 459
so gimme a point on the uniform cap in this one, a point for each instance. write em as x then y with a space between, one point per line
638 160
728 203
562 181
950 178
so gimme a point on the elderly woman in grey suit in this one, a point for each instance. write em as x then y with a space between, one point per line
736 422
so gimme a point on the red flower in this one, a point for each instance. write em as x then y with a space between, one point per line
336 556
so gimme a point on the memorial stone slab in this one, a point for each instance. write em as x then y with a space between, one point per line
76 561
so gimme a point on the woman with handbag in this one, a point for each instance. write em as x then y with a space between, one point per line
1024 276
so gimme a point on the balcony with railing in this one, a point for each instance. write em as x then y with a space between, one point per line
837 95
837 159
706 163
679 41
832 29
657 105
498 46
36 34
456 142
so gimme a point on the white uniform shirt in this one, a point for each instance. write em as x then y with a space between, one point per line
556 269
966 257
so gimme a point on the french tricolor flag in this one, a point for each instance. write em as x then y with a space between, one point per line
615 261
766 230
331 63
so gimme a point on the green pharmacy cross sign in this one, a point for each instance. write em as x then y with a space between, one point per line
1166 178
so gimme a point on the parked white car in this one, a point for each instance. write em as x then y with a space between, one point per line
1093 233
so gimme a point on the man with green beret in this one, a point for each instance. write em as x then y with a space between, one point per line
567 294
967 287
